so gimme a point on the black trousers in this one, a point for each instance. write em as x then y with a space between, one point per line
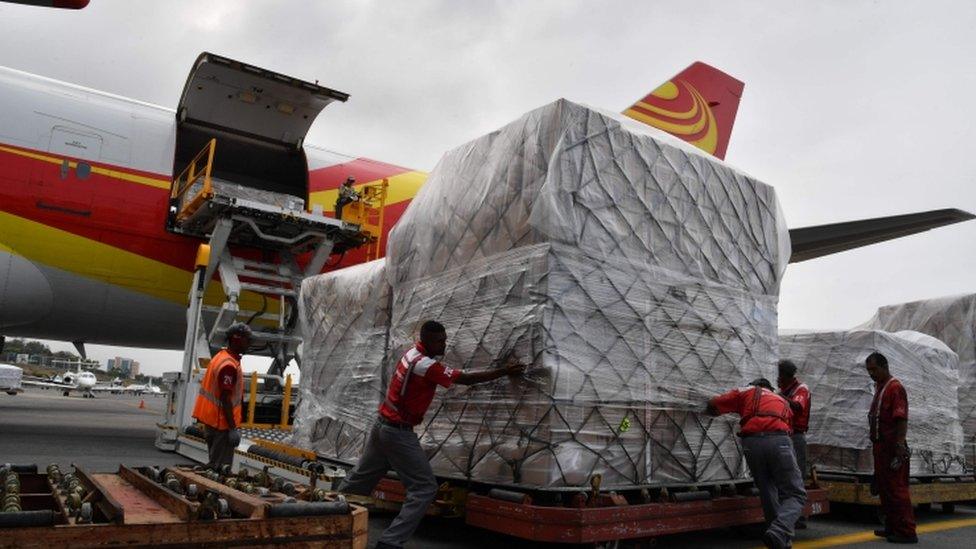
219 449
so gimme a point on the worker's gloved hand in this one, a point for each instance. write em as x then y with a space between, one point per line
234 437
514 368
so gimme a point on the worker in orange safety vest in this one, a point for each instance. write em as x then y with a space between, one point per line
765 432
218 404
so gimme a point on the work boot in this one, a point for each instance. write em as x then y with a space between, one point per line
882 533
801 524
895 538
772 542
381 545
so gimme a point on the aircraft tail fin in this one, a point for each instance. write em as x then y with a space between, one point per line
821 240
698 105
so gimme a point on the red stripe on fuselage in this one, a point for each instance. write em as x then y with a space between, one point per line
363 169
124 214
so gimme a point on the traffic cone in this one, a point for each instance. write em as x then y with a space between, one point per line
142 404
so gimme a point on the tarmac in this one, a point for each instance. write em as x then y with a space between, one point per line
41 426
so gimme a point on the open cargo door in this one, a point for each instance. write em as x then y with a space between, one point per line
259 119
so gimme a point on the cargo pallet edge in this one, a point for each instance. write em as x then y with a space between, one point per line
855 488
580 516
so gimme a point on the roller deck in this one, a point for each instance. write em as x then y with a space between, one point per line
174 507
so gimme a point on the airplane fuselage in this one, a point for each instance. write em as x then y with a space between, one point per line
84 188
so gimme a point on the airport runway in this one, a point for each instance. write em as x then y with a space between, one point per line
44 427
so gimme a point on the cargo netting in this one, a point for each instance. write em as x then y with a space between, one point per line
636 275
832 366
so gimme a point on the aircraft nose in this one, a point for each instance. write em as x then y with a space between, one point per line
25 293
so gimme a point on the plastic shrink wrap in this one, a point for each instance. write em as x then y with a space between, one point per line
10 377
951 319
832 366
345 318
636 275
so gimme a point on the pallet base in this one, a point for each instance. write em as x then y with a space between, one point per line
858 492
131 510
597 524
347 532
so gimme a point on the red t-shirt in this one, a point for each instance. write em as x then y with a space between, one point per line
769 413
799 394
408 405
889 404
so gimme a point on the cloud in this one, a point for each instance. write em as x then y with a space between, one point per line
851 110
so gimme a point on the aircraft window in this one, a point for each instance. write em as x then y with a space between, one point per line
64 169
83 170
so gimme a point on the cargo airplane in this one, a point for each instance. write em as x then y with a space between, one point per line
85 177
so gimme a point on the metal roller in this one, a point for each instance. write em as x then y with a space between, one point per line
27 518
507 495
309 509
24 468
268 453
698 495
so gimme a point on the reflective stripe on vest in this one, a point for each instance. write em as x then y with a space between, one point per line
409 366
795 389
757 401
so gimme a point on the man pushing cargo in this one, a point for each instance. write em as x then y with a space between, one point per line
391 442
888 420
218 405
765 432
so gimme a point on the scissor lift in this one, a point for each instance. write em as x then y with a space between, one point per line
241 188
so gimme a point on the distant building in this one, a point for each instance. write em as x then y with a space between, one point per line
126 366
110 365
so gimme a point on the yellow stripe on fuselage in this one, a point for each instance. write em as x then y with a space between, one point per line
115 174
402 187
82 256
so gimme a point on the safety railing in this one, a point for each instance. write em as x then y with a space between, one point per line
284 423
194 173
367 212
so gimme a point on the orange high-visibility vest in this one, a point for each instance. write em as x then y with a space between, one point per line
208 408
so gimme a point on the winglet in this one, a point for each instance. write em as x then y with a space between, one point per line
698 105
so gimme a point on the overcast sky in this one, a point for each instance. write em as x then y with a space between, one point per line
851 109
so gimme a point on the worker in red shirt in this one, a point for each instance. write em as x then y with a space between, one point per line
765 432
393 444
888 420
798 395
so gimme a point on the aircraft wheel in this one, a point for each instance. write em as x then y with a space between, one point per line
65 393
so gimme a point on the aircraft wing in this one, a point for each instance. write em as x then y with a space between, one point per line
47 384
820 240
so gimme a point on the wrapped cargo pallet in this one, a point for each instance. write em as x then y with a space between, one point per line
635 274
832 365
345 318
951 319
